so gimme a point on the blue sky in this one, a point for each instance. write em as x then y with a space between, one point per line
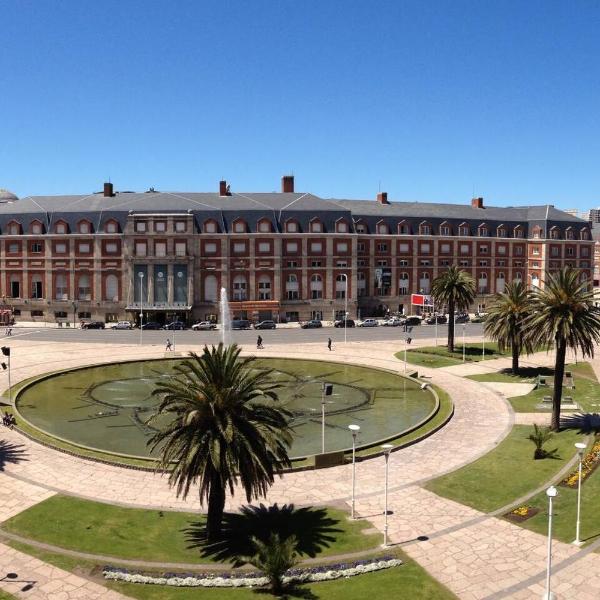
432 101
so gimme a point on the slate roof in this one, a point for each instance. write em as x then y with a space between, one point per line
277 207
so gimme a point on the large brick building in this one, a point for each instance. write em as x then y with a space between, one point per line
279 255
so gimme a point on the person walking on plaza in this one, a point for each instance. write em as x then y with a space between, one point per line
329 343
259 344
169 345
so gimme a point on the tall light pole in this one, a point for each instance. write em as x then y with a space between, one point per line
354 429
387 448
551 492
464 352
326 390
141 276
580 450
345 276
6 352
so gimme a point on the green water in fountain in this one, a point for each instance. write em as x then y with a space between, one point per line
106 407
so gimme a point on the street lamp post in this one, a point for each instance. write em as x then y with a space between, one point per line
326 390
74 304
354 429
345 276
580 450
387 448
141 276
464 352
551 492
6 352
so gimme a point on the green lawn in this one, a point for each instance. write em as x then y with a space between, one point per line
7 596
404 582
506 473
439 356
525 375
148 535
565 512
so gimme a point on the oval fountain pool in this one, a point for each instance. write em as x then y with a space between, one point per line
106 407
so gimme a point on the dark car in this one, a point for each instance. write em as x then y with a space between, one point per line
462 318
412 321
312 324
151 325
178 325
436 318
93 325
240 324
265 325
344 323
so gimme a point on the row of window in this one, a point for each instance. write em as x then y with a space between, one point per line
61 289
81 247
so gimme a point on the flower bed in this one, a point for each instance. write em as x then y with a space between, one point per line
522 513
588 465
323 573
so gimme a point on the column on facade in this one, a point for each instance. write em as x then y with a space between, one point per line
304 264
170 283
277 253
97 294
353 277
252 293
190 282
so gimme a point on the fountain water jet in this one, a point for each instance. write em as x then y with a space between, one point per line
225 317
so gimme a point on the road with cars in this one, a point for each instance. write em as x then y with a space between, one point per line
280 335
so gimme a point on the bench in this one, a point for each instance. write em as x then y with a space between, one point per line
547 399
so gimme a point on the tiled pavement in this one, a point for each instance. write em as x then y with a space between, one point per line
477 556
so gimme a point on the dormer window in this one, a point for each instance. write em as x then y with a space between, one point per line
264 226
342 227
316 227
210 227
424 229
518 231
463 229
569 233
554 233
482 231
239 227
84 227
110 227
361 228
36 228
585 234
500 231
383 229
403 228
61 228
291 227
444 229
14 229
537 233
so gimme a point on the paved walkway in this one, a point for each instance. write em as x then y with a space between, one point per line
475 555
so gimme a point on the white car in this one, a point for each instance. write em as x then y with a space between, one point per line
204 326
368 323
122 325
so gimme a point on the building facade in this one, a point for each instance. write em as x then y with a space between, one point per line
287 255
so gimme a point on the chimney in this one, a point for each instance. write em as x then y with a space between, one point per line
108 190
224 188
382 198
287 184
477 203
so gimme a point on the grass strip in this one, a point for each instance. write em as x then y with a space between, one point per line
439 356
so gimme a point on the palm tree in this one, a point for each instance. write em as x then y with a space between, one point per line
455 289
504 321
223 428
563 315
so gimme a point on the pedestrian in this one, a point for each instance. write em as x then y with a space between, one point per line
329 343
259 343
9 331
169 345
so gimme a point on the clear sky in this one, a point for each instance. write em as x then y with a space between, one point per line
432 101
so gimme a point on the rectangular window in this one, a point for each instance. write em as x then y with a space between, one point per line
291 247
36 247
140 248
239 247
425 248
585 251
37 313
519 251
61 314
361 247
382 263
292 316
445 263
160 226
315 263
465 248
84 315
381 247
445 248
292 264
180 226
14 248
316 247
264 247
292 295
342 247
425 263
60 248
111 248
403 263
361 262
483 249
554 251
83 248
160 249
180 248
483 263
140 226
464 263
210 248
536 250
160 284
501 249
403 248
342 264
36 289
570 251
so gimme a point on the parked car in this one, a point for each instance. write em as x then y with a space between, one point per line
479 318
346 323
177 325
265 325
368 323
393 322
436 318
312 324
151 325
240 324
122 325
462 318
204 326
411 321
93 325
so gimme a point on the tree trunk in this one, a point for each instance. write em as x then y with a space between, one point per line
559 371
216 505
515 357
451 326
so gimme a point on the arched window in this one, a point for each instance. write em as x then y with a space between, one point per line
14 228
110 227
316 287
112 288
84 291
342 227
264 226
61 228
210 227
291 287
210 288
340 287
264 287
36 228
316 226
291 227
240 227
240 288
84 227
403 284
61 291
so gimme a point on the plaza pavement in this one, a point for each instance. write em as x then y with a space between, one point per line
474 554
